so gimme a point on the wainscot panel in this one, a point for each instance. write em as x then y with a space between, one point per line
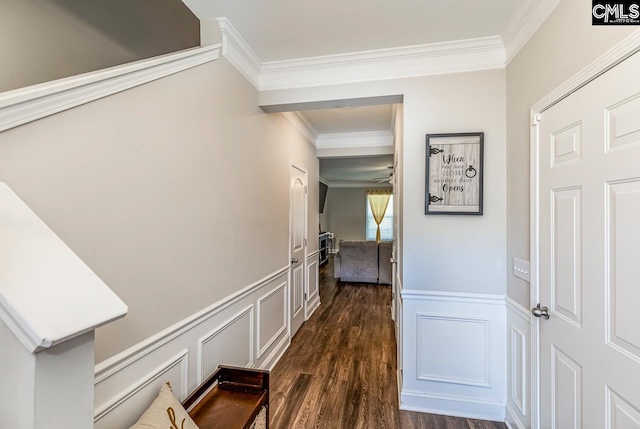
313 287
269 327
454 354
184 354
518 366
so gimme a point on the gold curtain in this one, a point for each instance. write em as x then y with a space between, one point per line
378 201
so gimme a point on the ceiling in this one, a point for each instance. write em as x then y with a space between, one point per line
350 120
288 29
356 171
281 30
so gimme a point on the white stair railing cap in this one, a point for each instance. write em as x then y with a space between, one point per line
48 295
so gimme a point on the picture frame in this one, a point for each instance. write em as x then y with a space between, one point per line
454 173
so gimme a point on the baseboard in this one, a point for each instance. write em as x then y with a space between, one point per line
272 360
457 406
313 307
248 329
511 419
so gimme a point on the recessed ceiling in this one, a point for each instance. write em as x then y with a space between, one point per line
288 29
356 171
351 120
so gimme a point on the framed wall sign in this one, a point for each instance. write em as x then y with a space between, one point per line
454 173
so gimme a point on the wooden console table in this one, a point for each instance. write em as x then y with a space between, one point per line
231 398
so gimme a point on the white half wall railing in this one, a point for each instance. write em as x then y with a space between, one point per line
50 304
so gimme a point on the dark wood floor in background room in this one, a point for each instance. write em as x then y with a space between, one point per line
339 372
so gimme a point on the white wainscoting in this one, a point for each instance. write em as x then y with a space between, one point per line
248 328
454 356
313 285
518 366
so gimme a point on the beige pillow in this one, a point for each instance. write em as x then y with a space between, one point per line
165 413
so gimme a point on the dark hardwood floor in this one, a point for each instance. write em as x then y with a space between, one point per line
340 370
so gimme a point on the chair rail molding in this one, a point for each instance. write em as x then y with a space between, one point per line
226 332
475 384
25 105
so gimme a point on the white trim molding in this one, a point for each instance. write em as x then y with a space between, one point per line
458 56
524 23
180 389
302 124
470 298
610 59
313 284
262 348
465 378
210 336
355 140
452 405
238 52
28 104
511 421
518 309
483 53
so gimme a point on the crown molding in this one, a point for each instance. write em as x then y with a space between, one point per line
355 140
524 23
382 64
302 124
359 184
238 52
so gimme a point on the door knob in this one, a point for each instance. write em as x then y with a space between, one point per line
294 260
540 311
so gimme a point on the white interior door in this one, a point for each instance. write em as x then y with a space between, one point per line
589 259
298 245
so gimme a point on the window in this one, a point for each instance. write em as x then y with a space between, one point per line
386 226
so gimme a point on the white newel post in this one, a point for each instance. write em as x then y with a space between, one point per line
50 305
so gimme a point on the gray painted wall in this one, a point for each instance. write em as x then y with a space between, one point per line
44 40
561 47
176 193
347 213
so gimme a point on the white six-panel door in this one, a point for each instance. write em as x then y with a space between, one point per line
589 254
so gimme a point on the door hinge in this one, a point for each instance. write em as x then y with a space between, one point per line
306 189
305 242
305 296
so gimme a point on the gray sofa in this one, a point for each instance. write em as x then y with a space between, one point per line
363 261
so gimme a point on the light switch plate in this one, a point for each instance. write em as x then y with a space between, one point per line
522 269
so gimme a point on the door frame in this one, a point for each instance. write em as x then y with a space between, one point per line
294 164
607 61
